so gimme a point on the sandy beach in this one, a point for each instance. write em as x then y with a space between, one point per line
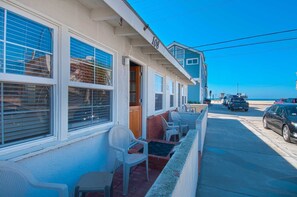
256 102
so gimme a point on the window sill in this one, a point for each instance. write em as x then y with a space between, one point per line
159 112
34 148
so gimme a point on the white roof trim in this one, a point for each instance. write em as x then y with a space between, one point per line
123 9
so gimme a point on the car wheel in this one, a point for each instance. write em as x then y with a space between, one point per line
246 110
265 123
286 133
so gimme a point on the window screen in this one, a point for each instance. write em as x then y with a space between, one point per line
158 92
26 111
88 107
28 47
25 108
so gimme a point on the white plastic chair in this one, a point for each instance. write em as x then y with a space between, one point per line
120 138
189 108
15 181
170 129
177 120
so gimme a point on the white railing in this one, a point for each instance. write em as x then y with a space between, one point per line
180 175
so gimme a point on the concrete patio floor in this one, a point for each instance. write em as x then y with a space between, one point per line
138 184
236 162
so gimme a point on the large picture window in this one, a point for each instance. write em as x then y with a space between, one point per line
158 92
89 106
26 104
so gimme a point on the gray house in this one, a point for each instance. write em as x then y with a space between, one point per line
194 63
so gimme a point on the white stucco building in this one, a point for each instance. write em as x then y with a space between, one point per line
69 71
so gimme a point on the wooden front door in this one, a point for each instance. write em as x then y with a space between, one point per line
135 113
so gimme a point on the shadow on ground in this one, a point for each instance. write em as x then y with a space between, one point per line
236 162
221 109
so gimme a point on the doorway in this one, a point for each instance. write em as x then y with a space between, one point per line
135 103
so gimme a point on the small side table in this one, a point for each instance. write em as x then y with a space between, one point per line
95 182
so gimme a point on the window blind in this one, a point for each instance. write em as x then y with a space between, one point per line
89 64
1 24
1 38
24 61
103 59
28 33
28 47
1 57
26 111
158 101
88 107
171 100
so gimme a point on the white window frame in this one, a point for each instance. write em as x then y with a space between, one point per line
190 61
26 79
156 92
75 84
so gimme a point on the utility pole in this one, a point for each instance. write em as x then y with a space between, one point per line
237 88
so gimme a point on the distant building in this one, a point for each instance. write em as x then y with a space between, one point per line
194 63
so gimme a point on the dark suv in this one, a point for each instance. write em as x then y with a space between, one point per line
238 103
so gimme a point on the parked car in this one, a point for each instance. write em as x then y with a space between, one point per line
291 100
224 100
228 99
207 101
237 103
279 101
282 118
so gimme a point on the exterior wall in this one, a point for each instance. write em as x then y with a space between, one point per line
198 92
66 156
194 93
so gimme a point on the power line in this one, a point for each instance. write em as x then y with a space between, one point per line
245 38
250 44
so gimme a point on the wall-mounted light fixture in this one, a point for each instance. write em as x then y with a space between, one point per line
125 61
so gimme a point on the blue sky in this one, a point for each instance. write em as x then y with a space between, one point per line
261 71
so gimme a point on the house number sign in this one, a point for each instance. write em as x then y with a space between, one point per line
155 42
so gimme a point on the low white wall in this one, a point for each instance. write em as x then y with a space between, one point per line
180 175
187 182
201 126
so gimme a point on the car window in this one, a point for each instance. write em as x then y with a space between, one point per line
291 110
273 108
280 111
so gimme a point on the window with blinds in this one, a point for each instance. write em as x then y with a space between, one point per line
88 107
1 38
171 93
89 64
158 92
25 111
28 47
25 107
